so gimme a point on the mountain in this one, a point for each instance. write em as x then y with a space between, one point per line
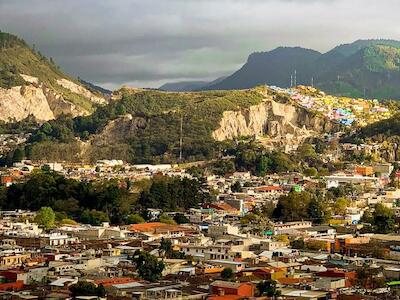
33 85
189 86
95 88
183 86
368 68
273 68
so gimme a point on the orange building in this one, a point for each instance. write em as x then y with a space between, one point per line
342 244
364 170
12 286
223 288
159 228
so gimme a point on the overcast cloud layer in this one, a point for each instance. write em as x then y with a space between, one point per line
149 42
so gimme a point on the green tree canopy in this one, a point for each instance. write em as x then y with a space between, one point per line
45 217
148 266
85 288
135 219
227 273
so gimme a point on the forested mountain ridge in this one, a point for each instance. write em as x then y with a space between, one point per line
31 84
365 68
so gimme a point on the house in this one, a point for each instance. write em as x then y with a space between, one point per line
219 230
264 273
344 242
384 169
12 286
62 283
10 260
222 288
364 170
349 276
271 245
270 189
157 230
318 231
234 265
290 227
223 207
289 293
330 283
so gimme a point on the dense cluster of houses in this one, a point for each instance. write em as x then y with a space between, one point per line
38 264
341 109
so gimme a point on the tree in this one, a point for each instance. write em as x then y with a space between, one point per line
227 273
148 266
68 222
297 244
340 205
316 245
85 288
317 211
281 238
45 217
383 219
312 172
236 187
267 288
293 207
166 247
306 151
167 219
181 219
94 217
134 219
18 155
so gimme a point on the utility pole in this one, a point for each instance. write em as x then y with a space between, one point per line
295 78
312 81
181 138
291 80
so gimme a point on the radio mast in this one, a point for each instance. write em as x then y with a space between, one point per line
181 138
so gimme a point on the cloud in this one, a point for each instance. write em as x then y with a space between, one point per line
149 42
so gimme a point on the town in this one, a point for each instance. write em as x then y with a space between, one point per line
252 237
199 150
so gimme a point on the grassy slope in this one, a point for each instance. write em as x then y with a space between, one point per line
15 52
158 141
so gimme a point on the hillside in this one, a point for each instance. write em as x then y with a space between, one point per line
183 86
144 126
365 68
272 68
31 84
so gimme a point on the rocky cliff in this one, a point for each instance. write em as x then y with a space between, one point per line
272 122
19 102
36 99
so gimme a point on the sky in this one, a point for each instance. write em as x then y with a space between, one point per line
145 43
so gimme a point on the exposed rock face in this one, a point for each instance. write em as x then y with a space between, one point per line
119 130
19 102
38 100
59 106
80 90
282 123
30 79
